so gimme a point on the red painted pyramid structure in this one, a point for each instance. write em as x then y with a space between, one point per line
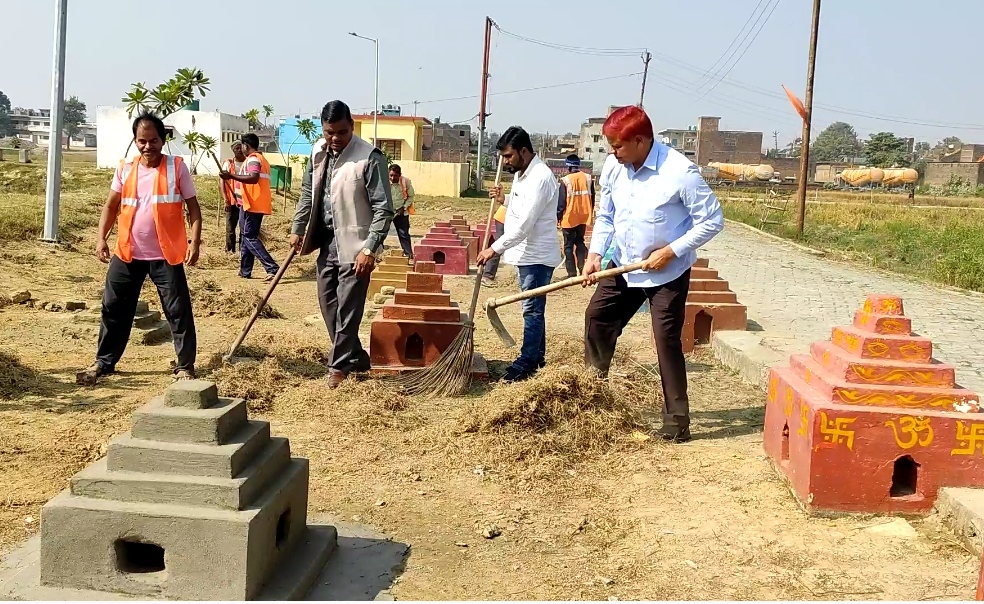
870 422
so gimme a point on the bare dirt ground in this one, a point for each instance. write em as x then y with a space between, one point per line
586 510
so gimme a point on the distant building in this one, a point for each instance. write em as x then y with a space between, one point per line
726 146
114 127
446 142
34 125
400 136
592 144
684 141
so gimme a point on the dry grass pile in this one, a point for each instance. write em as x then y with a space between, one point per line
16 379
209 299
257 382
562 411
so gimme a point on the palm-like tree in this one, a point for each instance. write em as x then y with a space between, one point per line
167 97
193 141
137 99
253 117
267 112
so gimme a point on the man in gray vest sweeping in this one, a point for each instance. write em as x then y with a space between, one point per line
344 212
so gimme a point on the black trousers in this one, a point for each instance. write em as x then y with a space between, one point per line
492 266
575 250
119 305
612 307
232 221
401 222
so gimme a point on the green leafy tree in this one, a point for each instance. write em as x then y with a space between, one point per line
187 85
837 142
6 126
267 112
192 140
73 119
253 117
885 150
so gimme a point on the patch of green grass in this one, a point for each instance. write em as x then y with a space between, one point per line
944 246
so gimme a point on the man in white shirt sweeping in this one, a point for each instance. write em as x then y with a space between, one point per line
529 241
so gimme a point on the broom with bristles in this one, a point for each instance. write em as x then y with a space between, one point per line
451 374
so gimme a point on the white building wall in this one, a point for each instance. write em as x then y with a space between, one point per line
590 149
114 133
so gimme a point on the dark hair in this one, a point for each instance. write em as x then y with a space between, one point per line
515 137
157 122
396 168
573 157
335 111
251 140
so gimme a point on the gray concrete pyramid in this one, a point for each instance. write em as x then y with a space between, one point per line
196 502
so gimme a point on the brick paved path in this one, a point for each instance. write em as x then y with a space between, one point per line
797 298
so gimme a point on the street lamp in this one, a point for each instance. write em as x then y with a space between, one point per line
53 188
375 113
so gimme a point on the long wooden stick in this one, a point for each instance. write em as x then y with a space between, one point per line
485 243
260 305
225 186
570 281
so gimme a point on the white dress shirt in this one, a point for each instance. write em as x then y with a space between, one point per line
530 234
665 202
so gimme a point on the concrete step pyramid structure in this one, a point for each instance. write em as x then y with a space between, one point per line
392 271
196 502
870 422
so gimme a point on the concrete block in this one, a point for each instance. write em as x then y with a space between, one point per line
215 425
424 266
156 550
438 314
160 332
227 460
99 482
191 394
962 511
405 298
425 283
143 320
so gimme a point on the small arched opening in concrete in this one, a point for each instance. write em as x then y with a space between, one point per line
439 257
784 453
414 348
905 476
703 324
138 557
283 529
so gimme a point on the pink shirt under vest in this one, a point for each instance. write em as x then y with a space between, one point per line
146 245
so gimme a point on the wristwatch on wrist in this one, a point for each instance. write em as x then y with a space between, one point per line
367 252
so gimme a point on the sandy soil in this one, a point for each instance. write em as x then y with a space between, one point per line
616 518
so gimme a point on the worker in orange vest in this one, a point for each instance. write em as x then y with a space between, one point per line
402 190
252 190
498 228
233 165
148 196
575 211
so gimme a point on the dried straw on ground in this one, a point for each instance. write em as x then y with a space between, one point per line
16 379
561 411
208 299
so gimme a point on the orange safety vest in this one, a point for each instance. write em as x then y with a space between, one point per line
406 194
579 208
227 187
500 215
257 197
168 210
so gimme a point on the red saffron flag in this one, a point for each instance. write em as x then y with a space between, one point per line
797 104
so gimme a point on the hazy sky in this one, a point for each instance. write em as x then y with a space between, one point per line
882 64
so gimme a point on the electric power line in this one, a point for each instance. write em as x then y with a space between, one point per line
749 45
747 21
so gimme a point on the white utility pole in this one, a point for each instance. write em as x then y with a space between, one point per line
53 189
375 113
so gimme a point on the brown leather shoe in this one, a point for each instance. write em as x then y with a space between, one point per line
335 379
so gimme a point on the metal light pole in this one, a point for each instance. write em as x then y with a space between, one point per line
53 189
375 113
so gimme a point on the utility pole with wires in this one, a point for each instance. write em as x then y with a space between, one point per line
804 167
646 56
775 140
481 105
415 103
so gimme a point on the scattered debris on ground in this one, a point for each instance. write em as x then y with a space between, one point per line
238 302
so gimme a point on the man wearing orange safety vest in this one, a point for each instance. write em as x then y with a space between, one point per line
232 208
148 197
402 190
252 191
497 230
575 211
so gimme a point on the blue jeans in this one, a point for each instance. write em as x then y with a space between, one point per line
251 247
534 348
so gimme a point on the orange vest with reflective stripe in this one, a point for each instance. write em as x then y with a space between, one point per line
257 197
500 215
406 194
579 208
168 210
227 185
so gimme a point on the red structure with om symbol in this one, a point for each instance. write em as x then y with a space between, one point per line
870 422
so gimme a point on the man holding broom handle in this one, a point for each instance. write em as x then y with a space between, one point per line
529 241
345 211
656 207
